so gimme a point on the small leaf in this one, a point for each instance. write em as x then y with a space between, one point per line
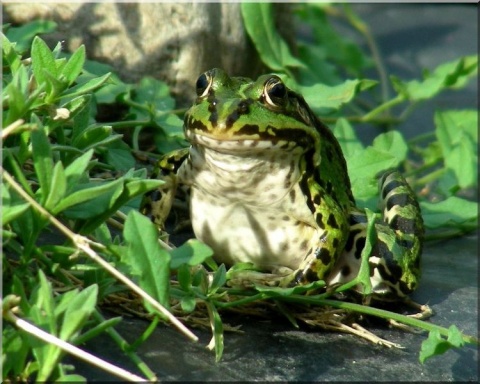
216 343
43 61
436 345
76 169
58 187
74 65
321 96
192 252
88 87
78 311
392 143
42 157
92 136
147 259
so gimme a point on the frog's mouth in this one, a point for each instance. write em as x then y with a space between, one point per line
227 144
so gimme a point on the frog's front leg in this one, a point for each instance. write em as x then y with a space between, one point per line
329 240
158 203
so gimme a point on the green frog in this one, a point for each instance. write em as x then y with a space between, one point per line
268 184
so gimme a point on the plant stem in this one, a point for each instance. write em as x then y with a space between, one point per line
83 244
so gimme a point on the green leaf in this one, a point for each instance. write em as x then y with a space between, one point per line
217 329
88 192
76 169
392 143
42 158
10 53
321 96
74 65
88 87
78 311
24 34
453 74
147 259
457 133
58 187
347 138
92 136
436 345
192 252
453 212
219 279
260 26
43 62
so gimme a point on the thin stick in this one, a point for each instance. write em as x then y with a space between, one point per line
75 351
83 244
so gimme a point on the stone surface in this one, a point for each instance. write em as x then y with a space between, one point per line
174 42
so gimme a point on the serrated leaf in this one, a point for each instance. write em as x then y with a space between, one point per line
453 74
436 345
272 48
148 260
458 137
192 252
392 143
452 212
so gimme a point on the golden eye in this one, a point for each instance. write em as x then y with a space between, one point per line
203 84
275 91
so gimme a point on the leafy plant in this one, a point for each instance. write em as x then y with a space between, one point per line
65 171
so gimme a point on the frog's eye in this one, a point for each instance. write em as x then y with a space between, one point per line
274 91
204 82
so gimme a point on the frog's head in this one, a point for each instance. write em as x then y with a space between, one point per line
235 113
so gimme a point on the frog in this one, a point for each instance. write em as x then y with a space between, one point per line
268 184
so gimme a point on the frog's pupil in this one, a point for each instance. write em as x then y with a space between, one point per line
278 91
202 84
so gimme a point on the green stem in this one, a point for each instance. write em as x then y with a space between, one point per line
125 347
375 312
383 107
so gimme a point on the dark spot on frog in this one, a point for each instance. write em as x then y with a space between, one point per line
317 199
323 255
360 244
195 124
248 129
351 239
310 276
304 245
345 271
284 246
403 224
319 220
332 222
292 195
286 218
335 243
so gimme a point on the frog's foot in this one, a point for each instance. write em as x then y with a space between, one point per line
251 278
358 330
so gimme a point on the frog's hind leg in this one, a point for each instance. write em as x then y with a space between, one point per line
394 261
